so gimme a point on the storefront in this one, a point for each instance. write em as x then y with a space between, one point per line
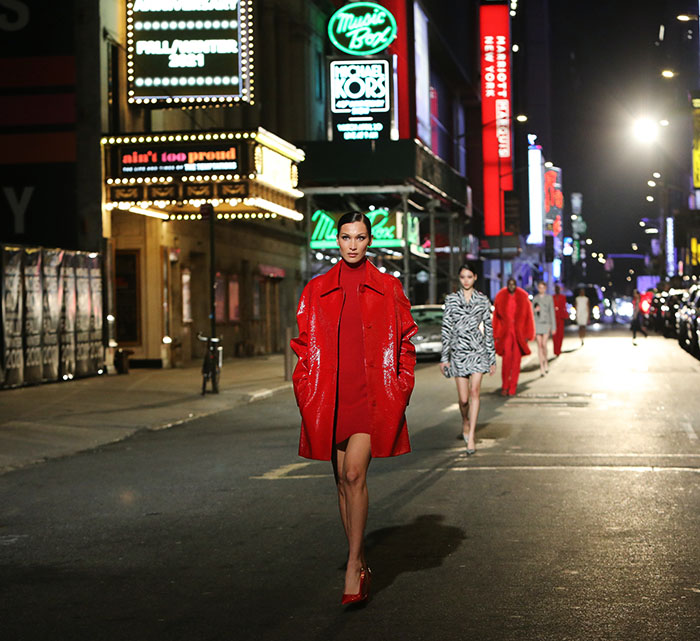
159 191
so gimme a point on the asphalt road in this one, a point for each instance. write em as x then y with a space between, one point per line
578 518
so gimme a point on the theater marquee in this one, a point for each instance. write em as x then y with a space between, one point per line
189 51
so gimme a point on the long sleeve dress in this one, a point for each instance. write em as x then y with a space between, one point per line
543 310
467 334
352 414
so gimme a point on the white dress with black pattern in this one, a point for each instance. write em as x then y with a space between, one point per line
467 334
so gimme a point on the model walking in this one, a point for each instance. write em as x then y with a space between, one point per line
561 315
583 310
467 348
636 324
545 323
513 327
353 379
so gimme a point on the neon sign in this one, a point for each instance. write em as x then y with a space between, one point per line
144 160
362 28
386 229
496 120
185 51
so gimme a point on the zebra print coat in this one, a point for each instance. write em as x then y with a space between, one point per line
467 334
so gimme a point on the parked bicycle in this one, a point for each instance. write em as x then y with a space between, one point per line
213 360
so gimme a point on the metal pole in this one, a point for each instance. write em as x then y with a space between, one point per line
212 273
501 215
451 233
432 259
406 248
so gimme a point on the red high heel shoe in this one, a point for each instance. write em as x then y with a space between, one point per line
363 594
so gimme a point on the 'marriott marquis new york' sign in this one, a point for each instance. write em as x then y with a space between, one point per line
362 28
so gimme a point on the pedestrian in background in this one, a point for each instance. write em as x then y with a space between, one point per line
353 379
583 310
513 327
545 323
467 348
636 324
560 314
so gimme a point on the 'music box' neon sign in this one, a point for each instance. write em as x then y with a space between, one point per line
362 28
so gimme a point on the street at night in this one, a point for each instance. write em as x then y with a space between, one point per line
239 238
576 519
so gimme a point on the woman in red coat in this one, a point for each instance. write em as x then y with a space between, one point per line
513 327
561 315
353 379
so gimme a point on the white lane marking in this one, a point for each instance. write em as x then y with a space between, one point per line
451 408
690 431
597 455
588 468
505 468
281 472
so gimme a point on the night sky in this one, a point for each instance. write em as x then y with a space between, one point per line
605 73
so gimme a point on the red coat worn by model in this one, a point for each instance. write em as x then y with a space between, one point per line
389 356
513 327
522 323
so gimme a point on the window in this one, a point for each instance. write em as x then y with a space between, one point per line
186 296
234 309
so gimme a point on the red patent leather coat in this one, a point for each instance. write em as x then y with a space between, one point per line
390 359
523 323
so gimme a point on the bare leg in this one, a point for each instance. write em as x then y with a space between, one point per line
463 399
542 353
474 403
468 391
353 499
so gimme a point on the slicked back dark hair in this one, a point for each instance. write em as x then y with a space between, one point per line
468 266
355 217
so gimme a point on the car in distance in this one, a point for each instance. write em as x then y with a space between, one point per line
428 339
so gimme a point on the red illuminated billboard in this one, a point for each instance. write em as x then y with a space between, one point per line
496 113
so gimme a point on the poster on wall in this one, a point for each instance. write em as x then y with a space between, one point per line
12 304
51 317
82 316
68 314
33 316
96 351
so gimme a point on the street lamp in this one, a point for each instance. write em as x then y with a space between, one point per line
668 73
645 130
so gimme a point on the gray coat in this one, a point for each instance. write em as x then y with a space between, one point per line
545 321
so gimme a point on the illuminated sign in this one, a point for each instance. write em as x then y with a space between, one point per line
189 51
696 147
362 28
360 99
553 200
181 159
535 179
496 119
670 247
175 158
387 229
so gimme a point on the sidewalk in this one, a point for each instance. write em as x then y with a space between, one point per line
57 419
